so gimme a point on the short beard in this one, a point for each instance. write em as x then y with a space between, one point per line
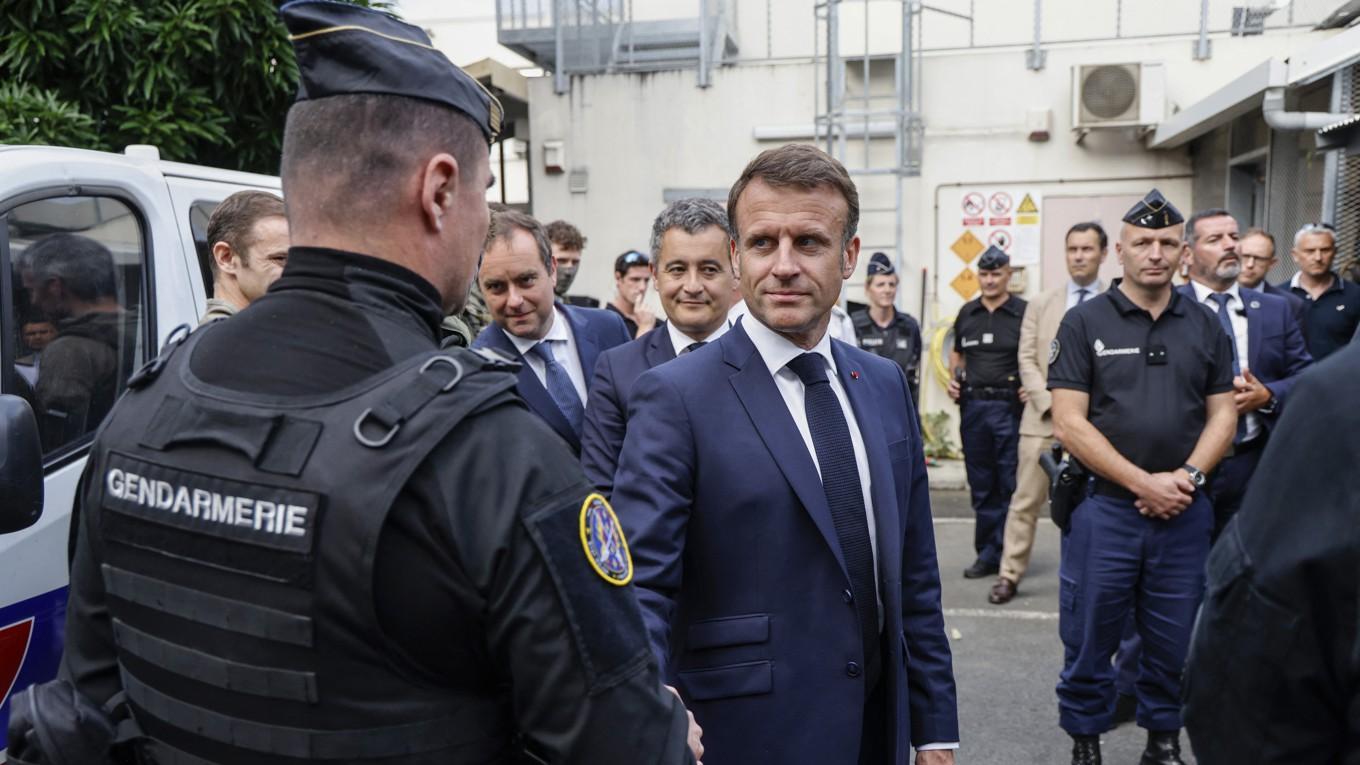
1228 271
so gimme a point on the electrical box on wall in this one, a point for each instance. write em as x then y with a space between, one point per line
554 157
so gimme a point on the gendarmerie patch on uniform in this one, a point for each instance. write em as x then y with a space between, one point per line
602 538
254 514
1054 348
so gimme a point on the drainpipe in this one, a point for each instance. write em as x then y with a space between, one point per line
1278 119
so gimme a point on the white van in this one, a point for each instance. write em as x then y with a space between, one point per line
150 217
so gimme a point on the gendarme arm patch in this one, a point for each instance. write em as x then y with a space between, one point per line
602 539
1054 348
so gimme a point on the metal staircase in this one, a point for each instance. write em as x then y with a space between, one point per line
572 37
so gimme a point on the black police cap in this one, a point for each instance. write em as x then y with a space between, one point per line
344 49
1153 211
993 258
879 264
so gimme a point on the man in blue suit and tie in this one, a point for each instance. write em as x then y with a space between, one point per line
773 490
1256 249
1269 352
557 345
693 276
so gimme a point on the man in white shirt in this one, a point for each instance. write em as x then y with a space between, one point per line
556 344
1268 350
772 487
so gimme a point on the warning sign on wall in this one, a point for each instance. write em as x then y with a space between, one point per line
991 216
1027 214
967 246
966 284
1001 238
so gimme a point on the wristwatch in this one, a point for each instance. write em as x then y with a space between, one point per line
1196 475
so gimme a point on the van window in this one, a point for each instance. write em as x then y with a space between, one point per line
76 321
199 213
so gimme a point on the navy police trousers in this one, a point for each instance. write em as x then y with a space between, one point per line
1116 562
991 433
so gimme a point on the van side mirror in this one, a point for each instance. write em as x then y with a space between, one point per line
21 466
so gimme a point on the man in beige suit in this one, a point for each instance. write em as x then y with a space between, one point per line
1087 245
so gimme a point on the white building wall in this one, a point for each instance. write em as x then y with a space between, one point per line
637 135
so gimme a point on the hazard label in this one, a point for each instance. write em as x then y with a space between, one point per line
967 247
1027 205
1000 203
999 222
973 204
966 284
1001 239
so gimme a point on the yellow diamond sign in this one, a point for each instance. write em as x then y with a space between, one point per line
967 247
966 284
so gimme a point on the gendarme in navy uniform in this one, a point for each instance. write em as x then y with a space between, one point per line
986 347
306 534
1142 396
899 338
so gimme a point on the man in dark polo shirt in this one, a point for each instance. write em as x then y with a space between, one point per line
1333 303
1142 396
986 343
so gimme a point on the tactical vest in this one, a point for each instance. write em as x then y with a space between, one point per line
894 342
237 536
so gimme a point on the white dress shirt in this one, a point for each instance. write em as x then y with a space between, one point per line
1074 292
680 341
563 344
777 351
1237 315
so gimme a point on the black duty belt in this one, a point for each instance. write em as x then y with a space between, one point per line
1112 490
988 393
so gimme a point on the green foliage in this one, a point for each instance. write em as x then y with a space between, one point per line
206 81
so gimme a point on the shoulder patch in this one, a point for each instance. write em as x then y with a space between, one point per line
1054 348
602 538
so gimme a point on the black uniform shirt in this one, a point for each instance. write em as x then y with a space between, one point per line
466 596
899 341
1148 380
1332 318
627 322
990 342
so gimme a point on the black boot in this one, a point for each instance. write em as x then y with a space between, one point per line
1086 750
1163 748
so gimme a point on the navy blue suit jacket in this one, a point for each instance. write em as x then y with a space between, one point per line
1296 304
740 573
1276 354
607 410
594 330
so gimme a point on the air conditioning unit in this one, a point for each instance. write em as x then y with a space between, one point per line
1117 95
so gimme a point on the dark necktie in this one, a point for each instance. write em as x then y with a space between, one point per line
1081 295
694 346
1226 322
560 387
845 495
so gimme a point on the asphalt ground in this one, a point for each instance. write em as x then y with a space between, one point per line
1007 658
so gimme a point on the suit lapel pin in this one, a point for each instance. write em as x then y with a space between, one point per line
1255 304
854 375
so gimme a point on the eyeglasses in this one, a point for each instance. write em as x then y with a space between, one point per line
635 258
